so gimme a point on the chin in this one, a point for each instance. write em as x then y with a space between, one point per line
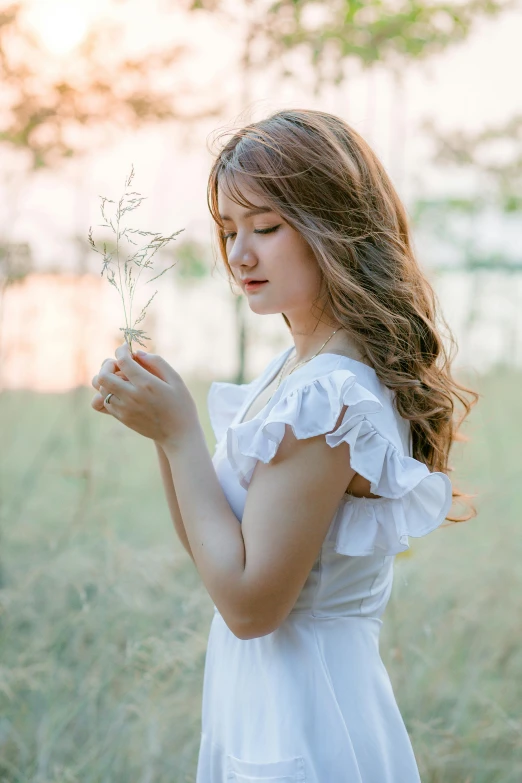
261 308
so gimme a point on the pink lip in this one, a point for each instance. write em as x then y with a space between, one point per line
254 284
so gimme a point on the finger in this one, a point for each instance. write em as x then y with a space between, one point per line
110 366
111 382
129 365
111 406
104 393
156 365
97 403
96 380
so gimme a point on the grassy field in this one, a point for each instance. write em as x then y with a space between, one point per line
104 621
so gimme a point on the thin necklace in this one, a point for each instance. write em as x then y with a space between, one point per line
300 363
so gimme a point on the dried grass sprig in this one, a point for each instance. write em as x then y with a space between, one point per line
141 258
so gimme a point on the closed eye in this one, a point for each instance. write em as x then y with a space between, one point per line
256 231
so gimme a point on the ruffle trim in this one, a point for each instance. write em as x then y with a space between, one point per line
412 501
223 401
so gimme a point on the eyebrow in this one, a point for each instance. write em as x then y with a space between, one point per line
250 212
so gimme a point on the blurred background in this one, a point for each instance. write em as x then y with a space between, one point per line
103 618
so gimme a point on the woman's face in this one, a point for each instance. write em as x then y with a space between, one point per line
263 246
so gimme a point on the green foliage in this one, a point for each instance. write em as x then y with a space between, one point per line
104 620
452 220
97 92
15 262
191 260
371 32
494 155
448 640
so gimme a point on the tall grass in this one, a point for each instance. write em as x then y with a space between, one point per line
104 621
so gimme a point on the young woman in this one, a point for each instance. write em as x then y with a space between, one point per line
324 465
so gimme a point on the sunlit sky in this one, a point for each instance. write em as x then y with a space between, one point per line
61 24
472 85
472 82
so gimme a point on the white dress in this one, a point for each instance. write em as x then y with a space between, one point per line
312 701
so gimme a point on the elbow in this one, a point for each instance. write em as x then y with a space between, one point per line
250 633
257 616
252 629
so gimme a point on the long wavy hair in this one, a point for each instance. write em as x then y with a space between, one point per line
322 177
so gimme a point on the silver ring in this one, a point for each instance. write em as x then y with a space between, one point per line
108 398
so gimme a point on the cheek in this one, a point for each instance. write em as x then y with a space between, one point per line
298 281
299 262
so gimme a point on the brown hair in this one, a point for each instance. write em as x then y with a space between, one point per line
321 176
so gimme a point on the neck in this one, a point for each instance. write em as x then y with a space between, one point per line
305 349
309 335
307 346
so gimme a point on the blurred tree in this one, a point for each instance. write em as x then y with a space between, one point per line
374 31
493 159
331 32
192 263
493 154
53 110
57 112
15 264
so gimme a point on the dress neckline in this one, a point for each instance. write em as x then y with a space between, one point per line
263 383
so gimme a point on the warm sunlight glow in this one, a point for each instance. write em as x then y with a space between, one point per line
60 24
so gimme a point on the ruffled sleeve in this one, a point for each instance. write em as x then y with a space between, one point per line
413 501
223 402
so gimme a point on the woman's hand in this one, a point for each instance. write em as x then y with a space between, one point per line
109 365
149 396
98 400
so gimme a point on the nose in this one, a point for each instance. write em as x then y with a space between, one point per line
240 255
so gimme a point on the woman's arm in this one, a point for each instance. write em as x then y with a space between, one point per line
255 570
172 500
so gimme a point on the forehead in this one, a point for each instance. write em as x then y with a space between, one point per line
237 195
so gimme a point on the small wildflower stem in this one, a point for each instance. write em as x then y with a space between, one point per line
142 258
127 321
134 288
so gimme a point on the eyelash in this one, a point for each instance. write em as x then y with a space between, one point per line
256 231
